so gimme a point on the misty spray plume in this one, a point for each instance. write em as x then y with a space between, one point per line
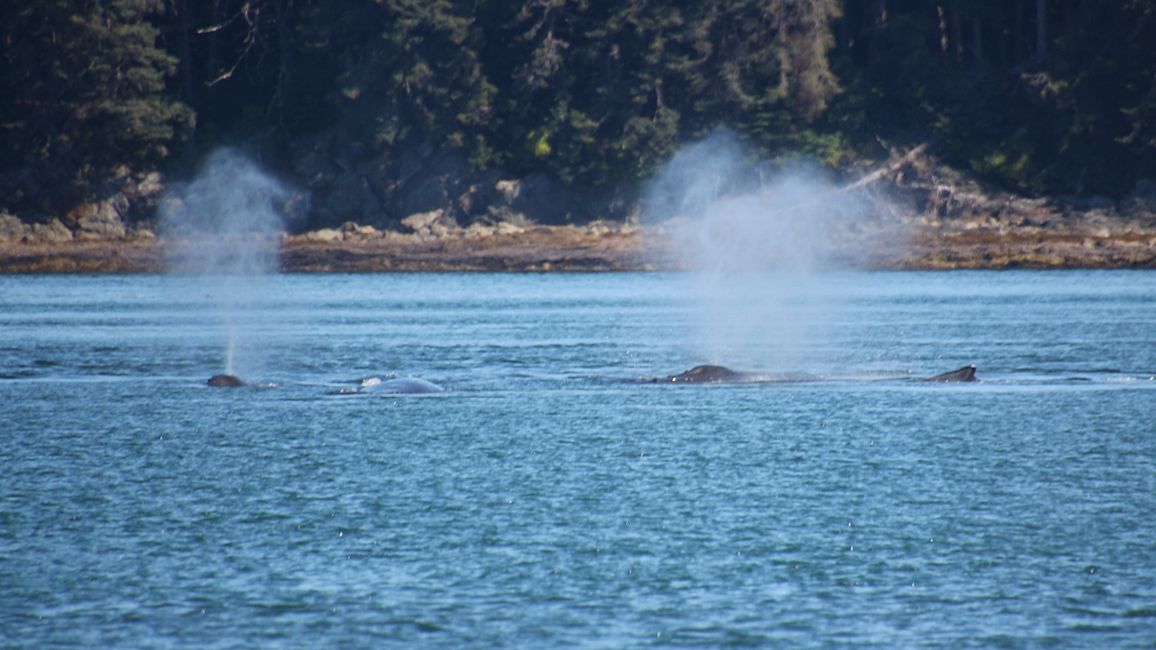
224 227
755 240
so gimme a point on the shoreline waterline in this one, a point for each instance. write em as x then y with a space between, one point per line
577 248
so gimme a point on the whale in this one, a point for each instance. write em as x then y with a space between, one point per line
714 374
964 374
399 386
225 380
706 374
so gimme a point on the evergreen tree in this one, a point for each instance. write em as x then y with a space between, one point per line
1045 96
84 86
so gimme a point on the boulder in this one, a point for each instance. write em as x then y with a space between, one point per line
53 232
435 223
143 234
510 190
478 230
507 228
323 235
422 220
100 220
351 231
478 197
12 229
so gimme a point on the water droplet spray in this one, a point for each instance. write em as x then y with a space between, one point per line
224 228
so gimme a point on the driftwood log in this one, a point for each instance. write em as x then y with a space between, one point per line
891 167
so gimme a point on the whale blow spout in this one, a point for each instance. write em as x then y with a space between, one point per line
225 381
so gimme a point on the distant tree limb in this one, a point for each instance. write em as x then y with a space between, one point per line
890 168
250 38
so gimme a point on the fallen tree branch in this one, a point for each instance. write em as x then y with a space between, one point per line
891 168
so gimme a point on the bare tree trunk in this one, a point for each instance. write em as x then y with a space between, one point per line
944 40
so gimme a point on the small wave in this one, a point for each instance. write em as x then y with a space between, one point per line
1094 628
20 373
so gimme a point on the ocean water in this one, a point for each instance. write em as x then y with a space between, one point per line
552 496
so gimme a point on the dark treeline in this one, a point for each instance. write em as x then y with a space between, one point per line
1046 96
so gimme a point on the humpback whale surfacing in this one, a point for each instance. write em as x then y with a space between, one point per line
966 373
710 374
705 374
399 386
225 381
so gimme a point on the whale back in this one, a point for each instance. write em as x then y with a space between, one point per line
712 374
964 374
705 374
399 386
225 381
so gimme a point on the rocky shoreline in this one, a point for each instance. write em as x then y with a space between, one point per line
922 216
600 247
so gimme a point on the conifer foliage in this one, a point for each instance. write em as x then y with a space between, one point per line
1039 95
84 85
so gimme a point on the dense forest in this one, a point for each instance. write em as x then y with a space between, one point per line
1037 96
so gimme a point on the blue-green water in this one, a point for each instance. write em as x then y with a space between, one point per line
548 498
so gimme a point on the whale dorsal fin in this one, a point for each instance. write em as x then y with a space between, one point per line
966 373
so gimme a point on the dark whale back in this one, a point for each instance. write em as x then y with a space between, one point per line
225 381
705 374
710 374
966 373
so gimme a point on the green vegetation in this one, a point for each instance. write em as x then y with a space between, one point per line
1050 96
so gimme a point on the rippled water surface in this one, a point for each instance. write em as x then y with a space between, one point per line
552 497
